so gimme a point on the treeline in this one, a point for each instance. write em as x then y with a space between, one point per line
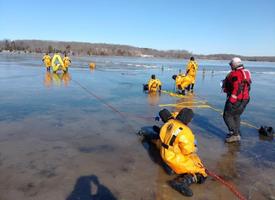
86 49
89 49
230 56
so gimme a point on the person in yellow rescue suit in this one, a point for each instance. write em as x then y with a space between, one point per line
178 148
191 71
182 82
154 85
47 61
67 62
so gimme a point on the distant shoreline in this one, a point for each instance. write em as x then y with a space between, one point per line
94 49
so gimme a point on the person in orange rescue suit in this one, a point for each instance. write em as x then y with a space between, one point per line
178 150
47 61
191 71
154 85
237 87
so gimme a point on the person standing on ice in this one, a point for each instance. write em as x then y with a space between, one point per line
191 71
237 87
47 61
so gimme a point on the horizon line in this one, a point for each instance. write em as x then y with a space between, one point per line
129 45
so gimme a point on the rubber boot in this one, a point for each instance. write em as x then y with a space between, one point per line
192 88
232 137
188 88
182 183
168 169
182 92
199 178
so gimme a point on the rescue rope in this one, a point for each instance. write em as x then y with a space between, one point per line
230 186
212 174
184 106
208 105
100 99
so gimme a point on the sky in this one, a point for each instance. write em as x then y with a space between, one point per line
244 27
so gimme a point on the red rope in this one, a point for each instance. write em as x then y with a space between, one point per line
212 174
100 99
123 114
231 187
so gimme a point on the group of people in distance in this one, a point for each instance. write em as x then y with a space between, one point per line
56 62
184 82
175 140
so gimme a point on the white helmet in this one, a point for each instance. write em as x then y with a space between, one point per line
235 62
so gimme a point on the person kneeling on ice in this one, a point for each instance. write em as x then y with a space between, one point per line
47 61
154 85
182 82
178 150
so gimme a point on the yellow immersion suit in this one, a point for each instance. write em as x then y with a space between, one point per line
178 148
92 65
67 61
57 62
191 70
47 60
183 81
154 85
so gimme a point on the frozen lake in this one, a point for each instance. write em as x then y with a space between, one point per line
60 140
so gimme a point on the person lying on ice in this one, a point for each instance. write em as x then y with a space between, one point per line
178 150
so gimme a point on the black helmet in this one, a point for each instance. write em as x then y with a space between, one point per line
185 115
165 115
174 77
192 58
153 76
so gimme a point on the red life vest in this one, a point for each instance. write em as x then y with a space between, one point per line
237 85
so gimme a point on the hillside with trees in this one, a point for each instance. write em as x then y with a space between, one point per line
89 49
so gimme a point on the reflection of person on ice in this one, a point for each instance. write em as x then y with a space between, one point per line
237 86
178 150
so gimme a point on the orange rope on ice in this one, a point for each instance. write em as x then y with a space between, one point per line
230 186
